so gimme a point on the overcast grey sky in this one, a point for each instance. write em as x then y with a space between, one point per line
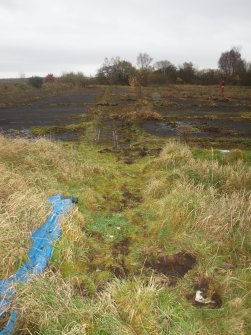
43 36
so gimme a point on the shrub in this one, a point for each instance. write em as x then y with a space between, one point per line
49 78
36 81
72 79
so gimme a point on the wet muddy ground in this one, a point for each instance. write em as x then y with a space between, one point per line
201 118
175 266
47 111
185 117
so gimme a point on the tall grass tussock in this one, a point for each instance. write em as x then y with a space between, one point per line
99 281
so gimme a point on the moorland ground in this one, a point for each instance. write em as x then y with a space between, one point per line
158 218
198 113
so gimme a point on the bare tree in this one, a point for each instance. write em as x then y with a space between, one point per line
187 72
163 66
144 61
115 71
231 63
167 70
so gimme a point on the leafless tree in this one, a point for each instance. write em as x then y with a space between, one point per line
187 72
144 61
231 63
166 69
162 65
115 71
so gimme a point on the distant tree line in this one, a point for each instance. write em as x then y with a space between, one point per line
232 68
69 80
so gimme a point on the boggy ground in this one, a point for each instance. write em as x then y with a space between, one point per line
158 223
197 114
194 113
49 108
145 238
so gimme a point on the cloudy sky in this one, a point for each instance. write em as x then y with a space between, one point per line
43 36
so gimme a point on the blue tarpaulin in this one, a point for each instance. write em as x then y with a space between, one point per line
38 256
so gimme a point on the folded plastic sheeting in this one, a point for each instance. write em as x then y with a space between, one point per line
38 256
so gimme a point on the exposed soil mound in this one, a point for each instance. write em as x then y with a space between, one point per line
174 266
129 199
119 271
122 247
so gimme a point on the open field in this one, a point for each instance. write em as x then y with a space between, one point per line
158 220
199 114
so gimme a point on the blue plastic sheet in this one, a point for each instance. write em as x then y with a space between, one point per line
38 256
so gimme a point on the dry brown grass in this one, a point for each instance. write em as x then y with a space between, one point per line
124 307
199 197
31 171
145 114
49 299
22 209
131 114
200 206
